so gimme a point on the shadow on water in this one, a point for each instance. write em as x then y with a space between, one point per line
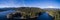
43 16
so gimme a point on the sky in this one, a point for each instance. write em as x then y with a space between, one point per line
30 3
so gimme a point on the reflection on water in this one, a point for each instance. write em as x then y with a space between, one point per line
4 13
44 16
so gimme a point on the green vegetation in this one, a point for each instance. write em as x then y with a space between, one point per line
30 11
57 16
33 11
54 13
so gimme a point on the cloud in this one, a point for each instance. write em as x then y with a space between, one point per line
50 7
28 3
10 3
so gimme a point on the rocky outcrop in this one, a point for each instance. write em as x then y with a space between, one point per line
25 13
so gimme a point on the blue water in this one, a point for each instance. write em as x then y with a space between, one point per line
44 15
4 13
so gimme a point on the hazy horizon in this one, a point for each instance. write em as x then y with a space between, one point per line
30 3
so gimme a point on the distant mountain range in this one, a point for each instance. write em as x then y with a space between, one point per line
5 9
51 9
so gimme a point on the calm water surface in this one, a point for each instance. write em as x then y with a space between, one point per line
44 16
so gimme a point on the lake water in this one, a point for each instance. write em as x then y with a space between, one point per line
4 13
44 15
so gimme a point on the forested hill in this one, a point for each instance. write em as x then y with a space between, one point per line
22 9
29 9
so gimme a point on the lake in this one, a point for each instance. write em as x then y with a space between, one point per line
4 13
44 16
